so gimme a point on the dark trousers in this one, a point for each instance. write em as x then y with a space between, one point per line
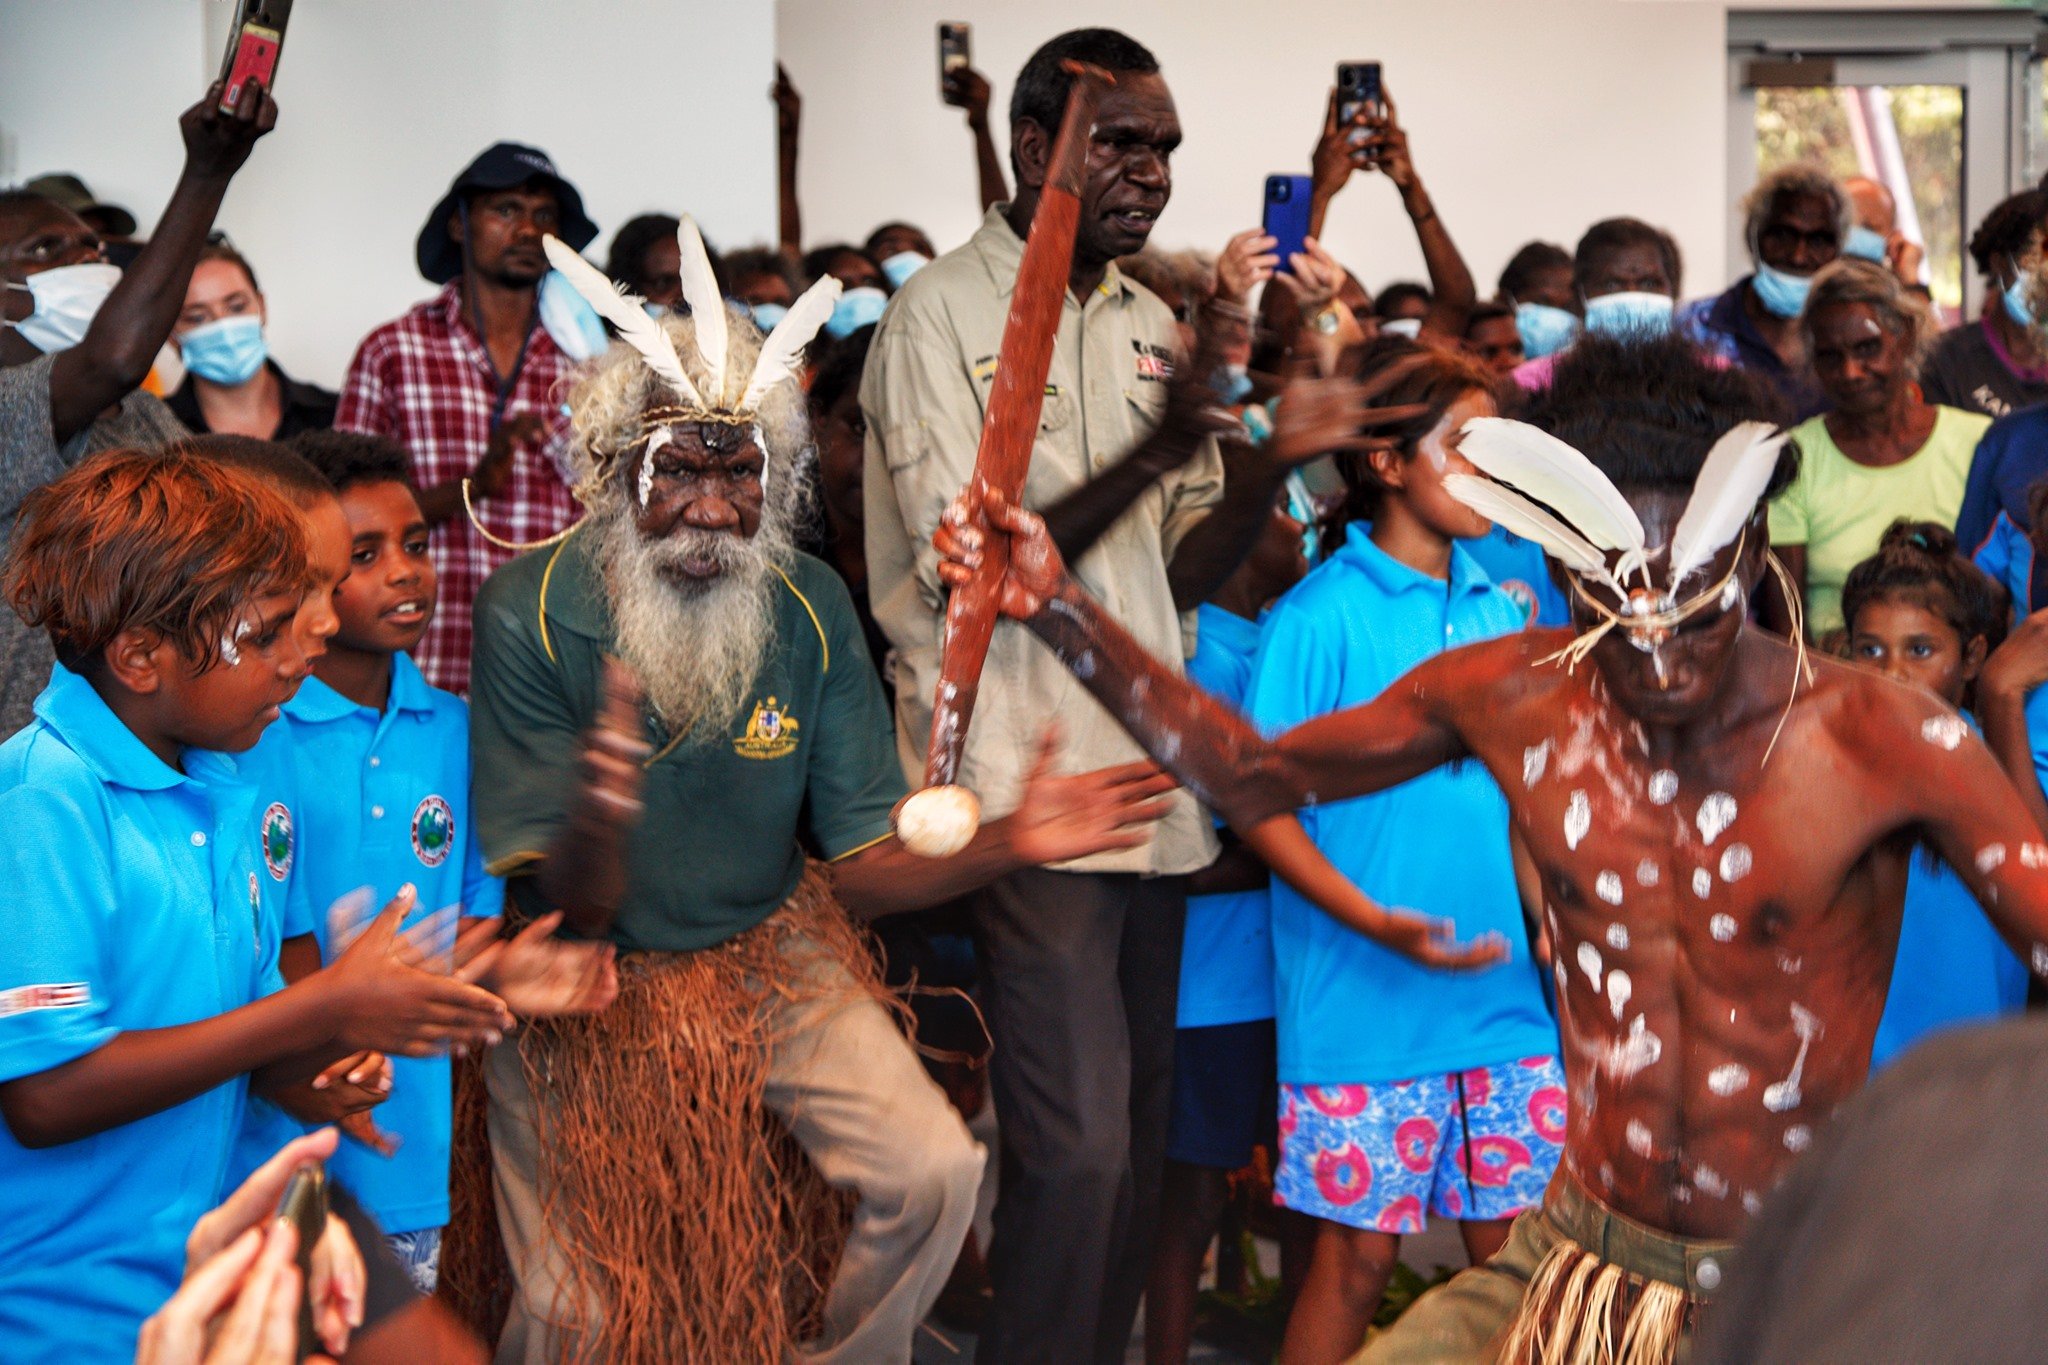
1081 972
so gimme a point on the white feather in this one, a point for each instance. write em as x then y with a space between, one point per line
1546 469
1724 496
707 304
785 344
1507 508
624 312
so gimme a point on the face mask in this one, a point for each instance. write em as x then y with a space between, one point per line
902 266
657 311
766 315
66 300
2018 306
1545 330
1630 313
856 309
1403 327
1234 385
1865 244
572 323
1782 294
228 352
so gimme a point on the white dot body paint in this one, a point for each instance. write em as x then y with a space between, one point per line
1557 970
1703 884
1716 813
1648 873
1617 936
1619 988
1578 818
1607 886
1663 787
1782 1095
1710 1182
1728 1078
1945 731
1638 1137
1736 862
2040 959
1722 927
2034 857
1535 759
1589 963
1634 1053
1789 964
1751 1205
1990 858
1606 1175
1798 1138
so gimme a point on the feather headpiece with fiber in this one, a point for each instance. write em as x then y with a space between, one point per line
1541 467
624 312
707 304
1508 509
1724 497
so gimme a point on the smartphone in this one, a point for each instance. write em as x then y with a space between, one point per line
253 47
305 1206
1358 87
1286 216
953 54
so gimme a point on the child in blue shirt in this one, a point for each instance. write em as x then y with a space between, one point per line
377 764
1223 1041
1920 612
1403 1087
136 1006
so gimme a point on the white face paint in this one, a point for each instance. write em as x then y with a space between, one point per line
1990 858
1578 818
661 437
1638 1138
1619 988
1535 759
1589 963
1728 1078
229 653
1736 862
1798 1138
1946 732
1722 927
1782 1095
1716 813
1648 873
1617 936
1663 787
1607 886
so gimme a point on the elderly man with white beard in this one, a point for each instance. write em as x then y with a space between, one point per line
680 744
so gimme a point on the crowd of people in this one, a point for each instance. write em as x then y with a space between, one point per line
1419 720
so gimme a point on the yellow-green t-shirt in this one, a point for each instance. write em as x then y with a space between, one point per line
1839 509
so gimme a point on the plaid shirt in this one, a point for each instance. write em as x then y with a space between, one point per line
426 382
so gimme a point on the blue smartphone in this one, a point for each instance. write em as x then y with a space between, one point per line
1286 216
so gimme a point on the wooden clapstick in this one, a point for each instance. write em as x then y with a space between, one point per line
940 820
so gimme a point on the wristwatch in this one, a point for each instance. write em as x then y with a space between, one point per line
1325 320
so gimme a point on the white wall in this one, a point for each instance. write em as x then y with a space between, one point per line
1528 118
644 104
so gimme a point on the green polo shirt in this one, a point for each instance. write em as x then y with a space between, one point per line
809 759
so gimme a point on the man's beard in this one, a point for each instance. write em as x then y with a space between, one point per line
697 644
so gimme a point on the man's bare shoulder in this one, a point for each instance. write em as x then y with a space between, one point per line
1507 669
1877 721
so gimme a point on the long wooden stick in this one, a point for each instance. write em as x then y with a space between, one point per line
1008 431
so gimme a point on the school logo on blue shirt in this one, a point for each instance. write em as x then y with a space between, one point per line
771 732
433 831
277 840
1521 594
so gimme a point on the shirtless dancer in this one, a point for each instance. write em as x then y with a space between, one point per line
1723 926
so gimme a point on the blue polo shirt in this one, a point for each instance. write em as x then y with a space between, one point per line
379 799
1349 1011
1520 569
1226 955
2011 456
2007 554
1952 966
134 895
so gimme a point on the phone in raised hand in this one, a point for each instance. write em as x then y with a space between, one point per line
954 56
253 48
1358 90
1285 218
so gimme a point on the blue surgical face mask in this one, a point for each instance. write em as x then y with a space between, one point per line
228 352
1782 293
1545 330
900 267
571 322
657 311
766 315
2018 306
1865 243
1402 327
66 299
856 309
1632 312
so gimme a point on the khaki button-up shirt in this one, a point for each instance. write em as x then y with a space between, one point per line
924 393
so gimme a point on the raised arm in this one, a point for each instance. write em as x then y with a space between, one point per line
1452 293
129 329
788 116
2019 666
968 89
